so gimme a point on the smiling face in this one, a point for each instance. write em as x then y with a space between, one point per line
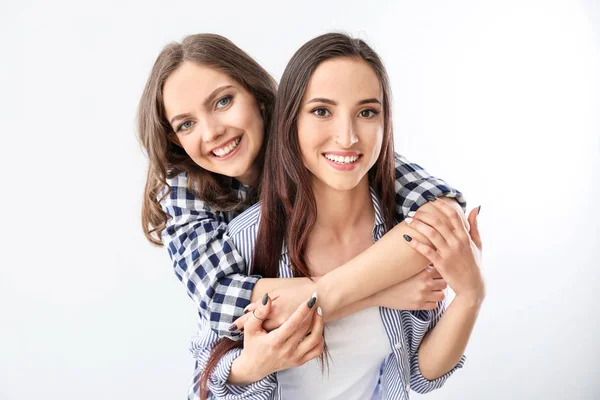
341 123
216 121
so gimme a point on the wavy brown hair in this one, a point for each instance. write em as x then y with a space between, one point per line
166 159
288 207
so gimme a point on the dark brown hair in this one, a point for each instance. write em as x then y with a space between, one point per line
288 208
167 159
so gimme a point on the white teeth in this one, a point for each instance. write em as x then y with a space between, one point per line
341 159
223 151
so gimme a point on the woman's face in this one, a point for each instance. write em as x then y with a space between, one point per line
215 119
340 124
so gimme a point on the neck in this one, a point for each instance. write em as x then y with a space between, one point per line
339 212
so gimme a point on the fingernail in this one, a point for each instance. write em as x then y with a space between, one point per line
246 308
408 220
265 299
407 238
312 300
233 328
478 210
411 213
319 311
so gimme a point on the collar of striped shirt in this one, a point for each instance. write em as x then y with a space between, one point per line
250 219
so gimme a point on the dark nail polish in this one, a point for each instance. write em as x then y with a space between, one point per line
265 299
407 238
233 328
312 302
478 210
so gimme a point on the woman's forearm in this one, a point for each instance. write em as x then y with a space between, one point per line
443 346
384 264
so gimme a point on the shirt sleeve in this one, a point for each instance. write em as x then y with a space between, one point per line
217 382
422 322
205 259
414 185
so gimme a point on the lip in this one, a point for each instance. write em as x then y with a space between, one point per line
343 167
228 156
343 153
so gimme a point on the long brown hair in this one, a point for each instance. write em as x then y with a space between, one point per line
167 159
288 207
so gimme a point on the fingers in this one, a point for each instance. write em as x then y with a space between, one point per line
438 284
456 218
296 320
425 250
254 320
474 232
316 334
239 323
432 227
435 274
436 296
313 353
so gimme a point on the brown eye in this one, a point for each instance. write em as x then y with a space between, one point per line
368 113
321 112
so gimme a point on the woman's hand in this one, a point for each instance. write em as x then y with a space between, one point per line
297 341
422 291
290 293
457 253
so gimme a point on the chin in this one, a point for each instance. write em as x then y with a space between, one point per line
342 185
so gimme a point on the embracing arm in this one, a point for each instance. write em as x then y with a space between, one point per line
204 258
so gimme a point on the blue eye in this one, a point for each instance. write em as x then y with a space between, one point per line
223 102
184 126
321 112
368 113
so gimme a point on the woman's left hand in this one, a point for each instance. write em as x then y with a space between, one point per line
457 252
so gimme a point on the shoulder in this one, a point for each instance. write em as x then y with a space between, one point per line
407 170
247 221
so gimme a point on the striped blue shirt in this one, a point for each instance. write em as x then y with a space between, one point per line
405 331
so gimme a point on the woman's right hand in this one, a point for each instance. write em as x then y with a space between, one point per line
297 341
422 291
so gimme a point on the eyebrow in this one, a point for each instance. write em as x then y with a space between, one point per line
334 103
206 101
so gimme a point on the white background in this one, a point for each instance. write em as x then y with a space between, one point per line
501 99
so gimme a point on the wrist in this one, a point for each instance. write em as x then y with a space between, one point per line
243 372
327 294
472 300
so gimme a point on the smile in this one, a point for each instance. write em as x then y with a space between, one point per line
342 159
227 148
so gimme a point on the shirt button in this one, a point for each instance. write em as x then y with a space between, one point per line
399 346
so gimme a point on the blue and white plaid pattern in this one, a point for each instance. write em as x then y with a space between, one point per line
205 260
211 268
405 329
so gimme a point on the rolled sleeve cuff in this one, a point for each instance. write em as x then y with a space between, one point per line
219 387
422 385
232 296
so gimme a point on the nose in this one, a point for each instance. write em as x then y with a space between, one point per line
347 136
210 129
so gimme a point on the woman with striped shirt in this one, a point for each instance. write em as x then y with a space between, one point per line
204 114
328 202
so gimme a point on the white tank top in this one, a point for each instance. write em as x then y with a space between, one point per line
358 345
